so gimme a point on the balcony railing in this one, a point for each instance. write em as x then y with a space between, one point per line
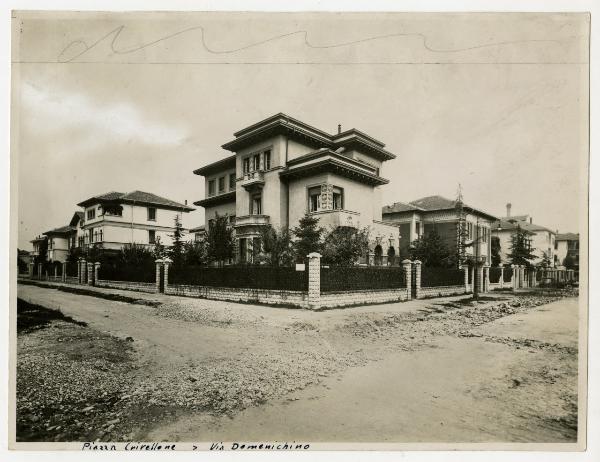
337 217
251 220
253 179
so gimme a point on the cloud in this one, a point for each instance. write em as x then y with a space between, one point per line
101 123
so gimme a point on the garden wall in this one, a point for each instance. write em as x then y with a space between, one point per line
266 296
362 297
127 285
442 291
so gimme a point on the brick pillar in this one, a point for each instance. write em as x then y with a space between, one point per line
30 268
159 263
472 286
64 271
39 271
90 273
486 278
480 284
501 276
522 278
407 265
417 264
167 261
314 280
96 272
466 270
79 270
371 259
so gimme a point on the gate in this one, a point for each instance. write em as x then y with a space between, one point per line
413 281
161 280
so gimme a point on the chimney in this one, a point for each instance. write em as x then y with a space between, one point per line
530 220
339 128
185 203
508 206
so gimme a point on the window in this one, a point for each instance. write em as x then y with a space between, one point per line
314 199
221 184
100 235
256 162
484 234
555 245
256 204
91 214
50 243
211 187
91 235
232 181
255 248
151 236
418 228
232 220
246 164
267 160
469 230
151 213
338 198
95 236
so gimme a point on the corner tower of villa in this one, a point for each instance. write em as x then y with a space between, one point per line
282 168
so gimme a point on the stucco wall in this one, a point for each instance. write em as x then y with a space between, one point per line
358 197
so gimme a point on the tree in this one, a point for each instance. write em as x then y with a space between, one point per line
521 252
219 240
569 262
546 260
495 245
431 251
42 252
135 255
307 237
276 247
344 245
195 253
176 251
159 249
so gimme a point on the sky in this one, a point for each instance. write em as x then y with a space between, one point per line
497 103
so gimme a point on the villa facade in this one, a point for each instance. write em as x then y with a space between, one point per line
282 168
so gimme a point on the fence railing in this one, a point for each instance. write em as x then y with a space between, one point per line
117 272
339 279
495 273
244 277
71 268
438 277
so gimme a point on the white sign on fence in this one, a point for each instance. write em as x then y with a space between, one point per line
300 267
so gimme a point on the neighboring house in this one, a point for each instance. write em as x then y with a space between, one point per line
420 216
199 233
59 240
566 244
542 238
283 168
37 243
114 219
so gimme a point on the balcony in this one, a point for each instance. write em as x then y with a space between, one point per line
253 180
251 220
337 217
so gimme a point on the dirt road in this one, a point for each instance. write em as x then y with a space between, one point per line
408 372
474 389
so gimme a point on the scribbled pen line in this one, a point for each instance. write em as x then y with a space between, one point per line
63 56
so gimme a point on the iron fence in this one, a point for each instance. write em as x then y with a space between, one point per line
71 269
241 277
495 273
508 273
343 279
438 277
119 272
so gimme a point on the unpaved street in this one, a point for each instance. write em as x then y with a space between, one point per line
504 369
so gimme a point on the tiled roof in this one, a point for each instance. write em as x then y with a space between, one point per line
398 207
429 204
61 230
434 203
506 225
197 228
567 237
137 196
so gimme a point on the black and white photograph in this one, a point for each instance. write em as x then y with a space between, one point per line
296 231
